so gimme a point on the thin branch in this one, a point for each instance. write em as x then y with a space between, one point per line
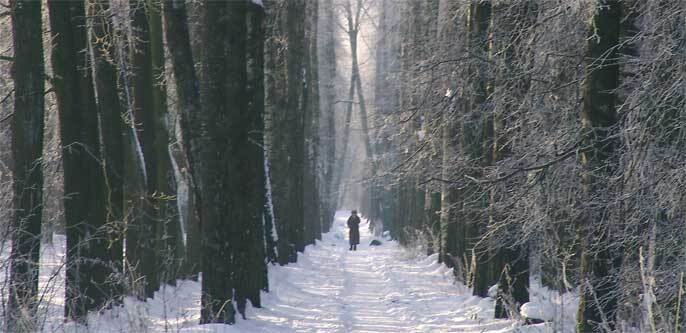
410 157
7 96
6 117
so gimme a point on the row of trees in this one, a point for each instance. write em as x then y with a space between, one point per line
190 143
536 137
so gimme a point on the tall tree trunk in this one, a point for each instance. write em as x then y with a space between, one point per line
352 19
287 128
328 140
112 128
513 262
188 94
88 258
313 217
274 137
339 187
142 255
170 243
295 65
599 261
229 153
479 19
385 105
452 246
250 268
27 149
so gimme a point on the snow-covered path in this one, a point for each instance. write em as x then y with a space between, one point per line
373 289
329 290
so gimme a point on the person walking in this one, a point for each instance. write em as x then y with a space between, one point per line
354 226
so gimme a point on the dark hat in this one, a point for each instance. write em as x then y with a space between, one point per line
353 212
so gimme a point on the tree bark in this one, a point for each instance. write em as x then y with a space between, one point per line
512 267
287 128
27 149
478 23
598 118
88 258
328 140
229 153
112 129
251 271
311 179
142 255
170 243
188 94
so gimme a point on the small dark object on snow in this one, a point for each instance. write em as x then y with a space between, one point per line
533 321
375 242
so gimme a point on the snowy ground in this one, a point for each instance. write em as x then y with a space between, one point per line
330 289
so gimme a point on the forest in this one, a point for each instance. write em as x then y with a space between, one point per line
527 147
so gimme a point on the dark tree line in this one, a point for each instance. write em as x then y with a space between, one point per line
246 104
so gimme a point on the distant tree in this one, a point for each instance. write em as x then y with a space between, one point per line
327 75
311 177
351 17
385 107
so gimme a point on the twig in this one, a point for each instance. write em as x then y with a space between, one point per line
562 157
6 117
678 302
410 157
7 96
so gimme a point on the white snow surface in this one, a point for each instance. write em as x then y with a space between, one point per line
330 289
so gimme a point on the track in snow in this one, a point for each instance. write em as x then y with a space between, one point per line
329 290
373 289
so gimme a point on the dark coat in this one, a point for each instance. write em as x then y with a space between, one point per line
354 225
